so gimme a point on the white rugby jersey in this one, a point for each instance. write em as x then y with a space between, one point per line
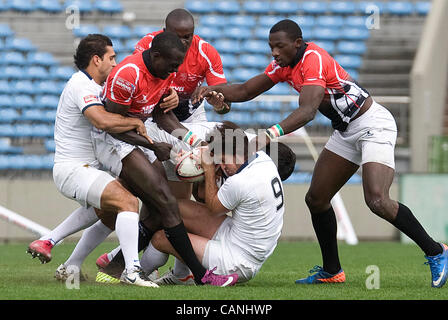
255 196
72 129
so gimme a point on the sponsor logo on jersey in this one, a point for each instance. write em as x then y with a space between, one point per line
91 98
125 85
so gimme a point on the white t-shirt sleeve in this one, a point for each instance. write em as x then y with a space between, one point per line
86 97
230 194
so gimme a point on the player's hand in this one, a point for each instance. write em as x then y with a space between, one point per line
206 158
200 93
141 130
170 102
216 99
162 150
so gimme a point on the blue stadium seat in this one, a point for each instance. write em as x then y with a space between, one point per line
42 130
85 29
355 179
242 21
32 115
285 7
320 33
328 46
342 7
50 145
48 87
19 44
25 6
7 130
13 72
84 6
262 33
23 87
243 74
299 178
238 33
213 20
50 6
259 61
348 33
400 8
351 47
14 58
61 72
200 6
5 30
227 7
17 162
355 21
108 6
314 7
353 73
117 31
208 33
46 101
321 120
42 58
304 21
422 7
367 7
23 101
37 73
256 7
6 101
227 46
4 87
280 89
229 60
256 46
4 6
49 116
271 105
330 21
349 61
5 144
8 115
118 45
139 31
268 20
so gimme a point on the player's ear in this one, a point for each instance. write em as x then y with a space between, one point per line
298 42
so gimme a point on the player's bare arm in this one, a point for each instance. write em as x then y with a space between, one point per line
211 189
239 92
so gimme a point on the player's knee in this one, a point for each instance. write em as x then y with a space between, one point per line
158 239
128 202
315 203
377 203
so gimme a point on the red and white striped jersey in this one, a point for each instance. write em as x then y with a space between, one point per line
202 62
317 67
131 84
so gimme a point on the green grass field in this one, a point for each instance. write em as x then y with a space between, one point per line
402 276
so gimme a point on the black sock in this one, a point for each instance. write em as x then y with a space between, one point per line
409 225
325 227
144 236
179 239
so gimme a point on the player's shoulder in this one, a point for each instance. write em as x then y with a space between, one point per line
80 80
313 51
203 46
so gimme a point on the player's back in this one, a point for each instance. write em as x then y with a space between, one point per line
258 217
72 128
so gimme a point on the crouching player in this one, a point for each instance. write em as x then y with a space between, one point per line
253 193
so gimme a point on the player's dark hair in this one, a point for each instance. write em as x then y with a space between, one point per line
165 42
177 15
228 138
92 45
285 159
291 28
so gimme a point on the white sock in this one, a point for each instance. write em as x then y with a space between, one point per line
153 259
78 220
113 253
91 238
180 269
126 228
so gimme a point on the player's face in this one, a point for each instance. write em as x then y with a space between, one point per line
184 31
163 66
283 49
107 63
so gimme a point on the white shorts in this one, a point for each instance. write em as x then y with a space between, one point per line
369 138
221 252
110 151
84 183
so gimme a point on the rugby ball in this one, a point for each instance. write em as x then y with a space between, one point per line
188 169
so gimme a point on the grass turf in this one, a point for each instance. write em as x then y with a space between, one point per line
402 275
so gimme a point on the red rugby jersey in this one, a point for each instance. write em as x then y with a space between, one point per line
131 84
317 67
202 62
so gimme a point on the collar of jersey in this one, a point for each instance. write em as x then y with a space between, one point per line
245 164
299 55
86 73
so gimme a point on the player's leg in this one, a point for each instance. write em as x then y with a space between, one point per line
181 190
331 172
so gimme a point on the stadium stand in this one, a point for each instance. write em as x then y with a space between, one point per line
36 55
